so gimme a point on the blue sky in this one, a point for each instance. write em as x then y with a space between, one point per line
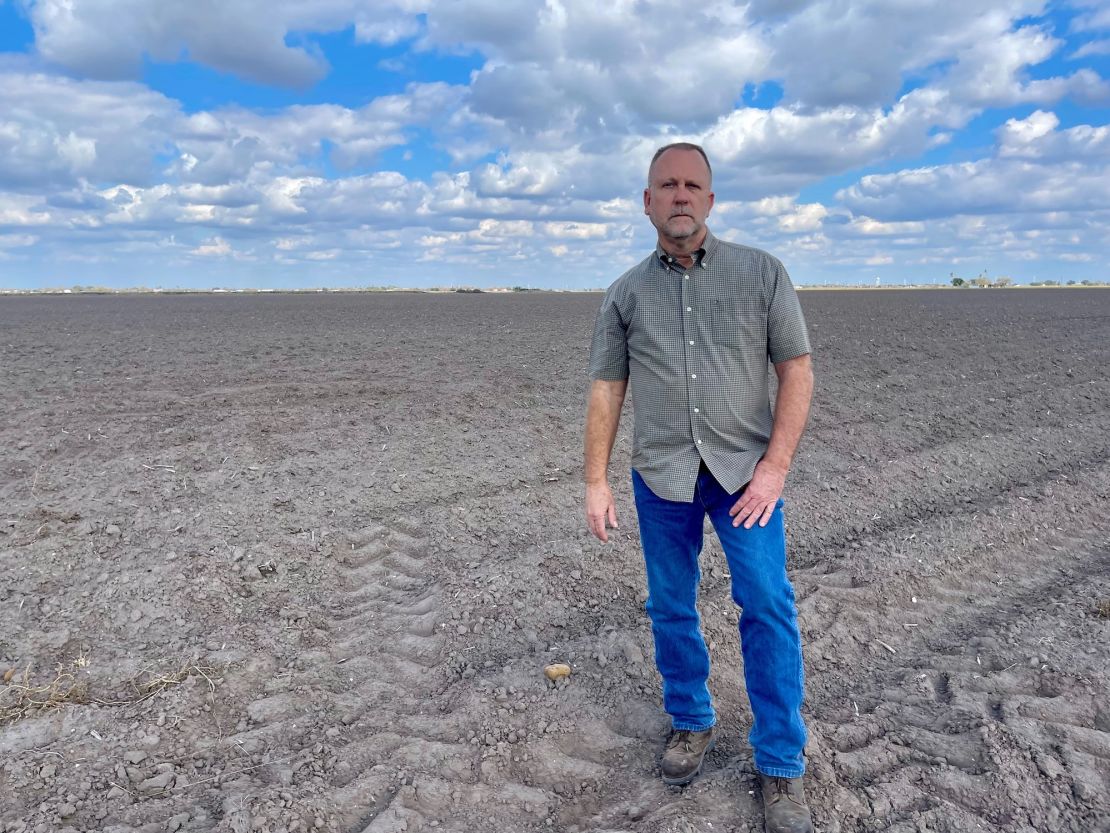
501 142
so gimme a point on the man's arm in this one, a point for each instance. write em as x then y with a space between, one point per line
603 415
757 503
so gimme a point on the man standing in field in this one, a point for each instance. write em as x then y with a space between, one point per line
692 327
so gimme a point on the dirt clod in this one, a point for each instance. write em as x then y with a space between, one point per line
557 671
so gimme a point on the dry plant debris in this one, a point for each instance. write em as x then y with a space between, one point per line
20 698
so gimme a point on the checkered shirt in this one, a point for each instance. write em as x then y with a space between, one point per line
694 345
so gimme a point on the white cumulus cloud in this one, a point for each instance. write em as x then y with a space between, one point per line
213 247
539 153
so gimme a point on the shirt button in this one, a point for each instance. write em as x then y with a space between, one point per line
699 442
691 344
693 376
696 411
687 277
689 309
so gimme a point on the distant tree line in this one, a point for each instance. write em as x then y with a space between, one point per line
983 282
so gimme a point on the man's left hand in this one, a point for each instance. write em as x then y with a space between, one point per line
758 501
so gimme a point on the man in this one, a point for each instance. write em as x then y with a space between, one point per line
692 328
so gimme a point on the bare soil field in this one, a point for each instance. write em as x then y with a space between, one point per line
296 563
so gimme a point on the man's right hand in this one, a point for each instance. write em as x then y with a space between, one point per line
599 509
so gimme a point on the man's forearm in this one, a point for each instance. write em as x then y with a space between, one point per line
603 414
791 411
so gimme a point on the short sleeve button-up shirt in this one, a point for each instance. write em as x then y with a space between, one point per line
694 345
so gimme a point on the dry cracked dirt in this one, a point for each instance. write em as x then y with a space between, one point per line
296 563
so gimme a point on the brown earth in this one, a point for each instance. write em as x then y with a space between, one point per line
284 563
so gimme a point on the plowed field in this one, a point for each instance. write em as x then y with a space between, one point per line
292 563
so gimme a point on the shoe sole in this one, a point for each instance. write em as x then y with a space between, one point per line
686 779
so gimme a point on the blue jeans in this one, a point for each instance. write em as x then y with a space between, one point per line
671 537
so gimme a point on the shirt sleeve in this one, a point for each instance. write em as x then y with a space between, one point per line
609 349
786 326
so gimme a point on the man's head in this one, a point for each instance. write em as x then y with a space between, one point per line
679 193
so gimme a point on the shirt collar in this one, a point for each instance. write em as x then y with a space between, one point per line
702 256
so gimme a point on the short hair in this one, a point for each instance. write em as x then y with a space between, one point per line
680 146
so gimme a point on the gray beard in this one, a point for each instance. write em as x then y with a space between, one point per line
680 235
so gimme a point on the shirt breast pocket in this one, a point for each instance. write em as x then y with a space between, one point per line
739 322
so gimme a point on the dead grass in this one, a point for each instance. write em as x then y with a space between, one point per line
1102 609
20 698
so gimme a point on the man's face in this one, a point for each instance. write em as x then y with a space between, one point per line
679 195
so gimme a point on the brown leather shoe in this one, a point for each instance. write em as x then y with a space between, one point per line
784 805
685 753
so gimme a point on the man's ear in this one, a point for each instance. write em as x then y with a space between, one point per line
647 200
